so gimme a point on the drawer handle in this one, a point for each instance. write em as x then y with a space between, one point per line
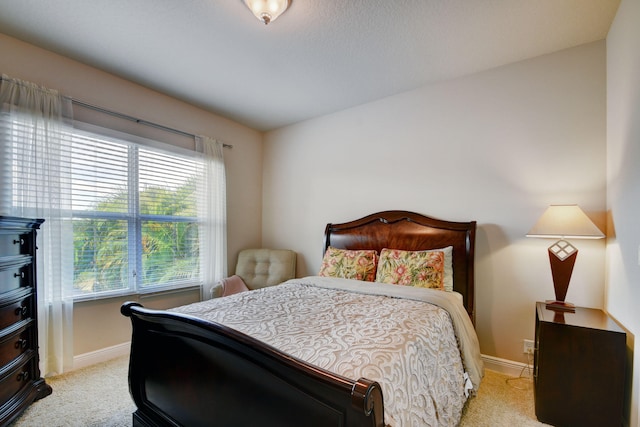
21 344
18 241
23 376
20 275
21 311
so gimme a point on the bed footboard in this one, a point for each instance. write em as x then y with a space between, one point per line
185 371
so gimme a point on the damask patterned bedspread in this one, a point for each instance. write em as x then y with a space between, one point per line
348 327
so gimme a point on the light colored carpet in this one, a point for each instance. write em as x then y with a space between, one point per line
501 401
98 396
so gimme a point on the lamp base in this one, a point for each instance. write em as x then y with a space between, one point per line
562 256
560 306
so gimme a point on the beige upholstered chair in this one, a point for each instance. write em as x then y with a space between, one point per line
257 268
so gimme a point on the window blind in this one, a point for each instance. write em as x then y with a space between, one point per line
132 206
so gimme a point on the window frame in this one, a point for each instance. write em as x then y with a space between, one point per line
133 217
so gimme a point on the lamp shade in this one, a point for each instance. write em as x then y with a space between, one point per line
565 222
267 10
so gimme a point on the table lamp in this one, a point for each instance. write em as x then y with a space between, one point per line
563 222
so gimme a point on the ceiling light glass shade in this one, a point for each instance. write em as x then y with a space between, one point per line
565 222
267 10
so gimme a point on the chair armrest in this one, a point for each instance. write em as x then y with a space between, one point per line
229 286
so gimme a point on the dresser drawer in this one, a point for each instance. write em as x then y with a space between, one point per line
12 278
15 312
15 344
16 379
10 243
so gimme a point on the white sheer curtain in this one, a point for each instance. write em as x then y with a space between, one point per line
213 256
35 183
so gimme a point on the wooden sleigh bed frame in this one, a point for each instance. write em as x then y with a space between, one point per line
185 371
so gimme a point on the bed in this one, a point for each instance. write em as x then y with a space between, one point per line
219 363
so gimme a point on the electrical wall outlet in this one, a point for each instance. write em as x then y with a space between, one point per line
527 347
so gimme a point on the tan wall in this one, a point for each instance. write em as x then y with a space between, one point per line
98 324
496 147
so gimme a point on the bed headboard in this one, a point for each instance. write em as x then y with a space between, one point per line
411 231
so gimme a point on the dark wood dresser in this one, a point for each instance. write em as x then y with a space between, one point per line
579 368
20 381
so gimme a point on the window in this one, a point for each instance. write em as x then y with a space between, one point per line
132 211
134 216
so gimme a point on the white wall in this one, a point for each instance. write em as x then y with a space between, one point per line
495 147
623 178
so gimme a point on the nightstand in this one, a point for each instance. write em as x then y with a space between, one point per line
579 367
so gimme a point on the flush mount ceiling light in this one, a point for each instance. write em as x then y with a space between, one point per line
267 10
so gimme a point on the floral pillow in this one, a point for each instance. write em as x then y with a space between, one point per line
424 269
349 264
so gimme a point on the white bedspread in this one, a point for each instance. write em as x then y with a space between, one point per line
385 333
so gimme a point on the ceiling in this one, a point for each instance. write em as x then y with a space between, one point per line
319 57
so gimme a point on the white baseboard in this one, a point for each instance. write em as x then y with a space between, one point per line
507 367
99 356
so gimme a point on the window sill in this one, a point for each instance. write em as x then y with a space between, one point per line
148 293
